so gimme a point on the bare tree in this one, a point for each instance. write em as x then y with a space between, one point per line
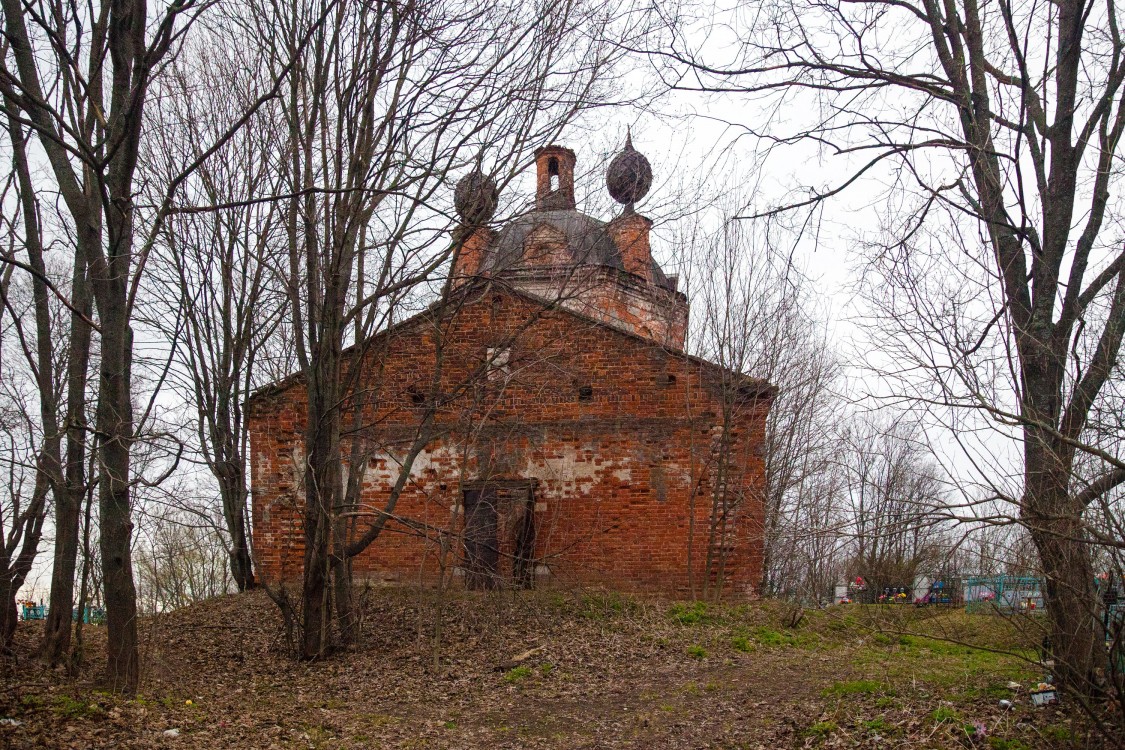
893 503
755 318
389 100
180 561
214 291
51 366
78 78
87 113
23 501
1001 275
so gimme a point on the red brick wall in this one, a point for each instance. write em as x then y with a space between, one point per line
630 233
471 254
621 474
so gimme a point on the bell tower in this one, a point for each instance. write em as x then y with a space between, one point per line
554 179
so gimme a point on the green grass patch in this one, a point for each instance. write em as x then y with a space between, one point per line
1059 733
767 636
742 643
875 726
842 624
773 638
945 715
72 708
516 674
691 613
696 651
31 701
960 672
821 729
858 687
999 743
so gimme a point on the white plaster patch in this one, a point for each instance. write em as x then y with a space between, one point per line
385 466
568 469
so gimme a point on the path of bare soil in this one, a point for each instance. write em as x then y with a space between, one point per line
549 670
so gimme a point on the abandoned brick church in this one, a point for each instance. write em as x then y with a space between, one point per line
567 439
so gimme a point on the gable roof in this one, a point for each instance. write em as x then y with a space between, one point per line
759 387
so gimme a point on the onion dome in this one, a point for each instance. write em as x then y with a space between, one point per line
475 198
629 175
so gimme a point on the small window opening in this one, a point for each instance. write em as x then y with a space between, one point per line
666 379
498 363
553 173
586 393
416 396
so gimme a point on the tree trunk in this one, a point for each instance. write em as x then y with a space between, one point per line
115 425
50 465
69 496
321 490
78 653
347 620
1064 553
1054 520
241 564
15 569
1068 593
232 490
56 632
322 440
9 615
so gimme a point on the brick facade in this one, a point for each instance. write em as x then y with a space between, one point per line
597 442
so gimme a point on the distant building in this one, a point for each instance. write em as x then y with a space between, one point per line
571 440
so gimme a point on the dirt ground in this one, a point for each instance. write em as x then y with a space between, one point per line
554 670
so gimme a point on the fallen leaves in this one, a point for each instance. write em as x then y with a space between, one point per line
587 672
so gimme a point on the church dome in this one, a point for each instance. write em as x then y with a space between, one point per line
475 198
629 175
554 236
586 239
587 243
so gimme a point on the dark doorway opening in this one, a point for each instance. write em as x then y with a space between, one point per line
499 533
